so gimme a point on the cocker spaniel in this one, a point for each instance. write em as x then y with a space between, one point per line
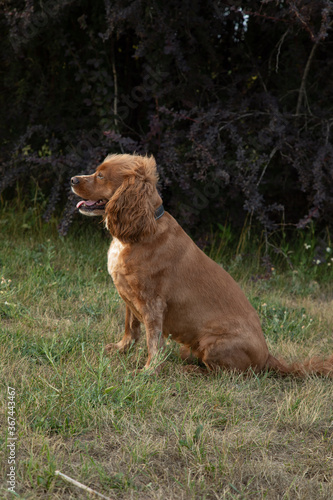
167 282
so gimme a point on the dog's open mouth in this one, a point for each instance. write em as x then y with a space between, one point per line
91 206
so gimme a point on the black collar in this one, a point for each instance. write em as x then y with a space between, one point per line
159 212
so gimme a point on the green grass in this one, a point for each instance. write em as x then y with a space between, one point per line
172 436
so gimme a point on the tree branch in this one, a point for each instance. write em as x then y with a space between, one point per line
115 82
302 89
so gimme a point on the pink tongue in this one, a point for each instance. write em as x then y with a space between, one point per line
87 203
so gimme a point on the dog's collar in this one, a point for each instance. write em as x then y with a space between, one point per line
159 212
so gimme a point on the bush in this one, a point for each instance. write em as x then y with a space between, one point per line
232 98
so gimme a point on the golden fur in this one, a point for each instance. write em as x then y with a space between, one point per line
168 283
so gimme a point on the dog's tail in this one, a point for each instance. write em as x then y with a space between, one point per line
315 366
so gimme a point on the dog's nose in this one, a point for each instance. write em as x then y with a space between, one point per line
75 180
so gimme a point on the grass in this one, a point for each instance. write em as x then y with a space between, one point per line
172 436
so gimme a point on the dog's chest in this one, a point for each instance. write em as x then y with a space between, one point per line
114 252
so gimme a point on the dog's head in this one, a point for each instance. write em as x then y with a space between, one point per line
123 190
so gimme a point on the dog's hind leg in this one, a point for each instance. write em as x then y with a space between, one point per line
233 356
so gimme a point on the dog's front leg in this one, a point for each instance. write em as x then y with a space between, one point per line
153 320
131 335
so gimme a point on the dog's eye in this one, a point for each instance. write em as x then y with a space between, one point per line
100 176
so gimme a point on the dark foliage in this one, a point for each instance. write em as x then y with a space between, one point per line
233 99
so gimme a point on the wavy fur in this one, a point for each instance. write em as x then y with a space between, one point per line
130 212
314 366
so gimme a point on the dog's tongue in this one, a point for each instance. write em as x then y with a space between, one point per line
87 203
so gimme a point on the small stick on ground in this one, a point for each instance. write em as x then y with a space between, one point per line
80 485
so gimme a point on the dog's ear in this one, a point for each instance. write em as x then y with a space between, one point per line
130 215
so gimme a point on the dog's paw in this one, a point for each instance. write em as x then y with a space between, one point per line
116 347
110 348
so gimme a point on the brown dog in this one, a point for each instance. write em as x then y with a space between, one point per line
167 282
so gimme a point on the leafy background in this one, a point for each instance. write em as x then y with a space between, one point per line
234 99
